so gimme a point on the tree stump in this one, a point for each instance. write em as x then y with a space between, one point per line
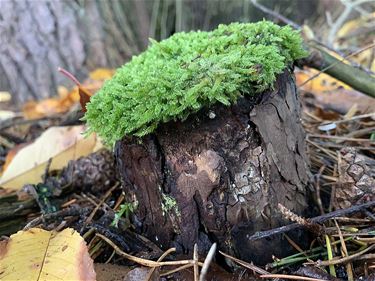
220 175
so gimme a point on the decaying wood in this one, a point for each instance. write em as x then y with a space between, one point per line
219 175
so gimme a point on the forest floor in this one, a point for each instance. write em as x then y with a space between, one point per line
54 178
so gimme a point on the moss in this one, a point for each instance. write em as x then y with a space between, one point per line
188 71
169 204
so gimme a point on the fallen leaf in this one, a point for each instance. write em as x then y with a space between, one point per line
7 114
59 143
321 83
84 97
353 25
11 153
46 107
67 99
37 254
342 101
5 96
84 94
101 74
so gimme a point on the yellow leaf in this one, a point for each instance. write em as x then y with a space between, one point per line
320 83
354 24
101 74
5 96
59 143
51 106
46 107
37 254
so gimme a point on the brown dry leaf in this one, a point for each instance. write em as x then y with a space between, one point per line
51 106
37 254
59 143
341 100
326 114
84 97
97 77
66 99
85 94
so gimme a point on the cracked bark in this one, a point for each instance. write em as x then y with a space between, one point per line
79 37
226 170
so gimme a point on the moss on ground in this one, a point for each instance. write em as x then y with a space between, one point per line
188 71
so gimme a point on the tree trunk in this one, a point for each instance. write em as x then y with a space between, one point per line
220 175
39 36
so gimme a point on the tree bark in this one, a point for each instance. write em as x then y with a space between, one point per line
39 36
220 175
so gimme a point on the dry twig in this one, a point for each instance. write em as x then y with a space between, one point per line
207 262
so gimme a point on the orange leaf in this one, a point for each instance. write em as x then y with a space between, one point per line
84 94
101 74
320 83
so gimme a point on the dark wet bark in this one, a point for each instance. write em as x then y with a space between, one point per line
226 169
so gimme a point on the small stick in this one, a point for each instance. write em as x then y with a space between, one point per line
293 277
317 189
69 75
106 195
274 14
345 259
349 267
71 211
176 270
46 170
195 259
246 264
207 262
144 262
319 219
166 253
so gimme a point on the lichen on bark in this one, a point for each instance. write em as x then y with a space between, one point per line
181 75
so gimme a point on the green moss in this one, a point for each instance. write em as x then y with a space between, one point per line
180 75
169 204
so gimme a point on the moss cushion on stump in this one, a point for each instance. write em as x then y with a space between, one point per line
180 75
208 137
